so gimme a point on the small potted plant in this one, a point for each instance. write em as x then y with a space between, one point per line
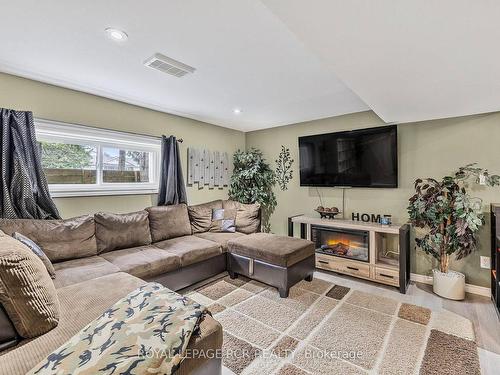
450 218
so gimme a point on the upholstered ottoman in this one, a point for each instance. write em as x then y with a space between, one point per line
275 260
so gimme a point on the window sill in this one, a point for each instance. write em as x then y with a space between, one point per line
97 193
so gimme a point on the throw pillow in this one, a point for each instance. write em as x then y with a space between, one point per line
27 292
38 252
223 220
247 216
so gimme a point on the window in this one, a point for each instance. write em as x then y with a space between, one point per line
80 160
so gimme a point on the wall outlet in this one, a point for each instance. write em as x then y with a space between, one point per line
485 262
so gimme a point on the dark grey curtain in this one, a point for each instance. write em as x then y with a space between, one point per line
172 189
24 190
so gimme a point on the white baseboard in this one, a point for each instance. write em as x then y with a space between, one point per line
469 288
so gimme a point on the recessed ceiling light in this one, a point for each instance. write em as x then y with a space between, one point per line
236 111
116 34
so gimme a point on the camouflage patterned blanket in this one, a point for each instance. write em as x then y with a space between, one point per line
146 332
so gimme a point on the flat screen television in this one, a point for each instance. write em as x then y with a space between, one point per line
358 158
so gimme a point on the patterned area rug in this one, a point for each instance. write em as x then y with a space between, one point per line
324 328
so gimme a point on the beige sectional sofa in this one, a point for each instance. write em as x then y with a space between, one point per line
101 258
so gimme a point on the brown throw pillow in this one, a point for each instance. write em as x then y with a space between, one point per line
120 231
27 293
223 220
247 216
201 216
169 222
38 252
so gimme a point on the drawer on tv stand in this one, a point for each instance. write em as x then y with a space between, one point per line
387 276
336 264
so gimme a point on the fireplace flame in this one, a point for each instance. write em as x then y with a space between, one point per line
343 241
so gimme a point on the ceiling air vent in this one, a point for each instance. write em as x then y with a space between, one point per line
167 65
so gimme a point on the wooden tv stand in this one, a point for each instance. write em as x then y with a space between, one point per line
393 269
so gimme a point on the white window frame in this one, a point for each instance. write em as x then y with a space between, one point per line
53 131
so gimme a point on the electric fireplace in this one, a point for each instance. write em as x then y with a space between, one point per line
345 243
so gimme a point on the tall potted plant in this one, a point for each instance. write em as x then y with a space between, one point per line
451 219
252 181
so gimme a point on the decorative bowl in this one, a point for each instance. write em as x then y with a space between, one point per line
328 213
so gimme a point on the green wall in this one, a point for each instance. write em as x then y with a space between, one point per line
426 149
56 103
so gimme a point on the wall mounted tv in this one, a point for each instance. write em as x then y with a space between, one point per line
358 158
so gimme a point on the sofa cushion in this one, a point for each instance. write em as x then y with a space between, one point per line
169 222
121 231
59 239
201 215
190 249
78 270
89 305
27 292
270 248
37 251
143 261
220 238
247 216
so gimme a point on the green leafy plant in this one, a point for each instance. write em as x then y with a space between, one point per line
62 155
449 215
252 181
284 168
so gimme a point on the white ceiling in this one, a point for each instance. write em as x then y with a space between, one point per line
280 61
408 60
244 58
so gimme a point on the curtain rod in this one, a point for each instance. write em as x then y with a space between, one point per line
180 140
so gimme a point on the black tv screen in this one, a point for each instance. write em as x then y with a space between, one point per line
358 158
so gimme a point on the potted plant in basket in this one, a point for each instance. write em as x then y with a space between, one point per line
451 219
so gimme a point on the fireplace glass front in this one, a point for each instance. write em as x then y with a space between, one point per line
345 243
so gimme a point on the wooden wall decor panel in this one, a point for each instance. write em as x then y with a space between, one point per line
196 162
225 169
217 168
202 168
205 167
212 170
190 166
